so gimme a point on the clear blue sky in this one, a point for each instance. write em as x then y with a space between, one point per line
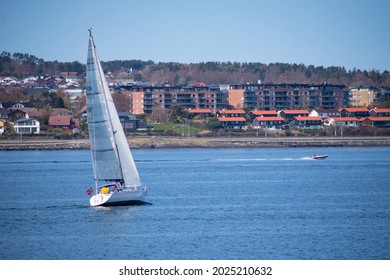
319 32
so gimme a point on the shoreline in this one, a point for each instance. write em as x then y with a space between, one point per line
209 142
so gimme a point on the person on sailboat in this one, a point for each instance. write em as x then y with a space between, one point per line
117 187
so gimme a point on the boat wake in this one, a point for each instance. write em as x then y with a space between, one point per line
306 158
221 160
258 159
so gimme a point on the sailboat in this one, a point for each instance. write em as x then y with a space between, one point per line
117 181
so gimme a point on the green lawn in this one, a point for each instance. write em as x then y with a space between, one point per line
179 128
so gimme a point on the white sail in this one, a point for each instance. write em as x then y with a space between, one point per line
112 159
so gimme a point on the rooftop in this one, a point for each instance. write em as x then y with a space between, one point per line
232 119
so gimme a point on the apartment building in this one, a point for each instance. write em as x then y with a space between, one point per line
260 97
287 96
361 97
144 99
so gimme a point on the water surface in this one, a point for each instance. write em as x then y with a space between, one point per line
206 204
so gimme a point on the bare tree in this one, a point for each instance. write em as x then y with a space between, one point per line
159 114
122 102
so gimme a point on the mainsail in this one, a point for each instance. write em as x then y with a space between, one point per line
111 156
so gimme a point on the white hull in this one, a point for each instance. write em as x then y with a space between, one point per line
318 157
128 197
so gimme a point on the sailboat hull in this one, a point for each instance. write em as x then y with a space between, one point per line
118 198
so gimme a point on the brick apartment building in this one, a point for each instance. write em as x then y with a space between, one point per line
261 97
288 96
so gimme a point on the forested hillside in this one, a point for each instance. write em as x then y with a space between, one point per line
212 73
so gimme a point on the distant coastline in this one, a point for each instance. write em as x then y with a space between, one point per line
214 142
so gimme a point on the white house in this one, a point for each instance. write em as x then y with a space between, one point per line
9 80
73 92
30 80
342 121
324 113
17 105
27 126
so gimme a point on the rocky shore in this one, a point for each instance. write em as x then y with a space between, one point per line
217 142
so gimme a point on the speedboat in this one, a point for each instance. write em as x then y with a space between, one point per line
318 156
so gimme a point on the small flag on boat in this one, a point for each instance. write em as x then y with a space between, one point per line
89 191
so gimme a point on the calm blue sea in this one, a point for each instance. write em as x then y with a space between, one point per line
206 204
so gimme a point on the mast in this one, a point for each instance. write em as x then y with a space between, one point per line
90 112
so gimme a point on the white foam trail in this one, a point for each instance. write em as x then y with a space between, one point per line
306 158
255 159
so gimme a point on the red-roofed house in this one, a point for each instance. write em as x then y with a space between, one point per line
376 121
233 122
380 112
63 122
231 113
268 123
354 112
291 114
199 112
342 121
267 113
307 122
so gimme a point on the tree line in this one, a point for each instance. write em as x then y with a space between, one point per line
211 72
